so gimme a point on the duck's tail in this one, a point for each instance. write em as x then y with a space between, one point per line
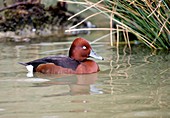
24 64
29 67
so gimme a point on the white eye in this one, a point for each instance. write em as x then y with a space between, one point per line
84 47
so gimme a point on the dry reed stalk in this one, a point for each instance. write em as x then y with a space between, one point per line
149 21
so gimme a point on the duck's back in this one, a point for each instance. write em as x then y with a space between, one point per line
60 60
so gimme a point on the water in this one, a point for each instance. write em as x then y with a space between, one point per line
132 85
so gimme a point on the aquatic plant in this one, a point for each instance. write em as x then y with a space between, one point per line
149 20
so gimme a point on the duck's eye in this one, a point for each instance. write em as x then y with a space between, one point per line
84 47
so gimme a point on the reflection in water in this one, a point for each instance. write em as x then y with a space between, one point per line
78 84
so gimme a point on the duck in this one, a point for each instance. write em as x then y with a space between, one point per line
77 62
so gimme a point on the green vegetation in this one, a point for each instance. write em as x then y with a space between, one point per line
149 20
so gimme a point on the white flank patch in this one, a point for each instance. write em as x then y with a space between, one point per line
29 68
30 74
30 71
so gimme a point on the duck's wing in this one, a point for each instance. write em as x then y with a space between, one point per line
61 60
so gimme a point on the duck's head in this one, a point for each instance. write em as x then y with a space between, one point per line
81 49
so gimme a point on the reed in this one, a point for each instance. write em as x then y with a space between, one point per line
149 20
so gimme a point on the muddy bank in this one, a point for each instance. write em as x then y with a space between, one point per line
23 21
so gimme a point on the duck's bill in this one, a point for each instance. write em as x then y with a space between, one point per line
94 55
